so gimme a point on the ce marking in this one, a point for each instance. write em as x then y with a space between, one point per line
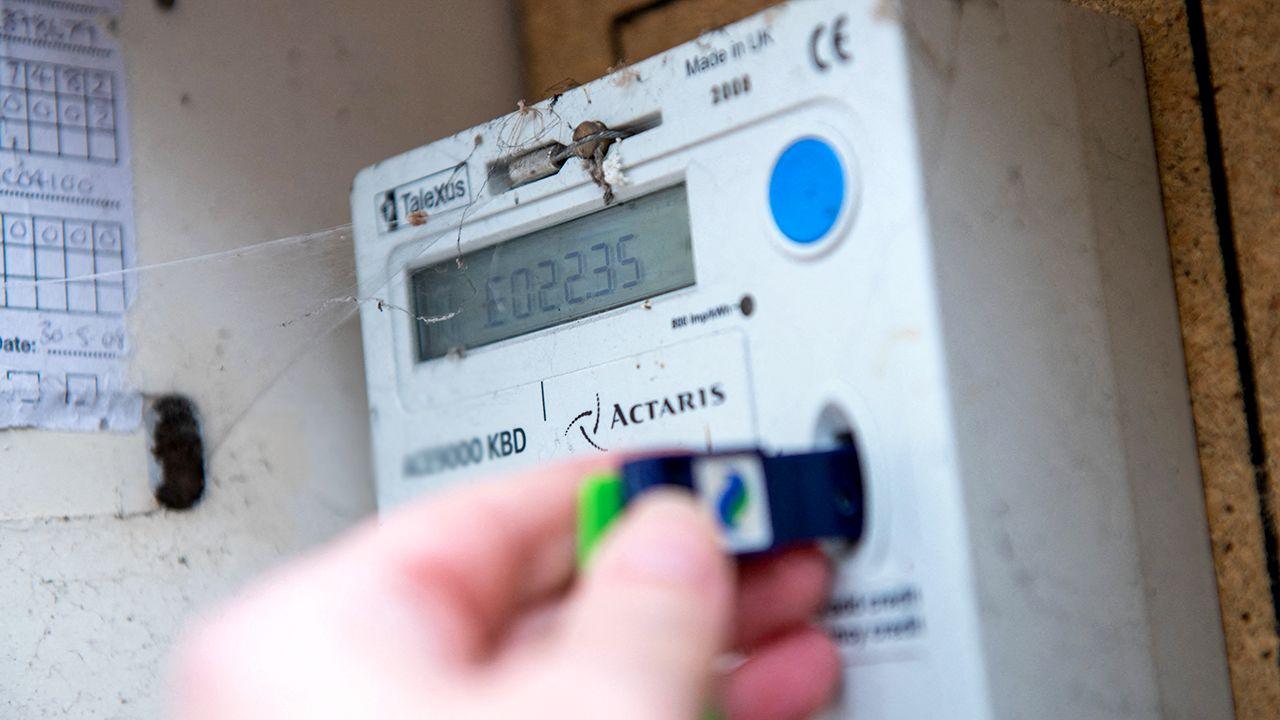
837 36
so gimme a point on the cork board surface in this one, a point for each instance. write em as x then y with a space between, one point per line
1233 502
1243 46
579 40
569 42
642 34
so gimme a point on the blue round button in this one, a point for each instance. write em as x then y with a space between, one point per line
806 190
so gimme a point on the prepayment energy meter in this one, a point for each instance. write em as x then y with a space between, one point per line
930 231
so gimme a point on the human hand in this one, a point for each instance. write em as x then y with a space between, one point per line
461 607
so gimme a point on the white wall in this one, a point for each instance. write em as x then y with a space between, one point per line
249 120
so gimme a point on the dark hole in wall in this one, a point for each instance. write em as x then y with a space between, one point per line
179 450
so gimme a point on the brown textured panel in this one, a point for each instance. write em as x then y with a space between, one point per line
567 42
1244 51
1233 503
644 34
579 39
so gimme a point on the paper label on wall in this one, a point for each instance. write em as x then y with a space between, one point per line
66 212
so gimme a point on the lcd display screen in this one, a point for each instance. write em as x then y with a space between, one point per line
623 254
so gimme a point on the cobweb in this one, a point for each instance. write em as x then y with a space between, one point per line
222 328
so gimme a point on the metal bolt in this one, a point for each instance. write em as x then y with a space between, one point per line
588 150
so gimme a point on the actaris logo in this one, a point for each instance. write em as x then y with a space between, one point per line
623 416
733 501
581 423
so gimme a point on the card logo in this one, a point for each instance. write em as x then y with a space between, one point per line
733 501
413 202
732 487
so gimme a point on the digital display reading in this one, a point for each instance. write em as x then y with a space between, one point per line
625 253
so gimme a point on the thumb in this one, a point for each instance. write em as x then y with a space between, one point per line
654 608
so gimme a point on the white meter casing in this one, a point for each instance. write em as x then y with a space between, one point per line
983 304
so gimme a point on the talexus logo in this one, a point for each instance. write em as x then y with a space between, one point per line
433 194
